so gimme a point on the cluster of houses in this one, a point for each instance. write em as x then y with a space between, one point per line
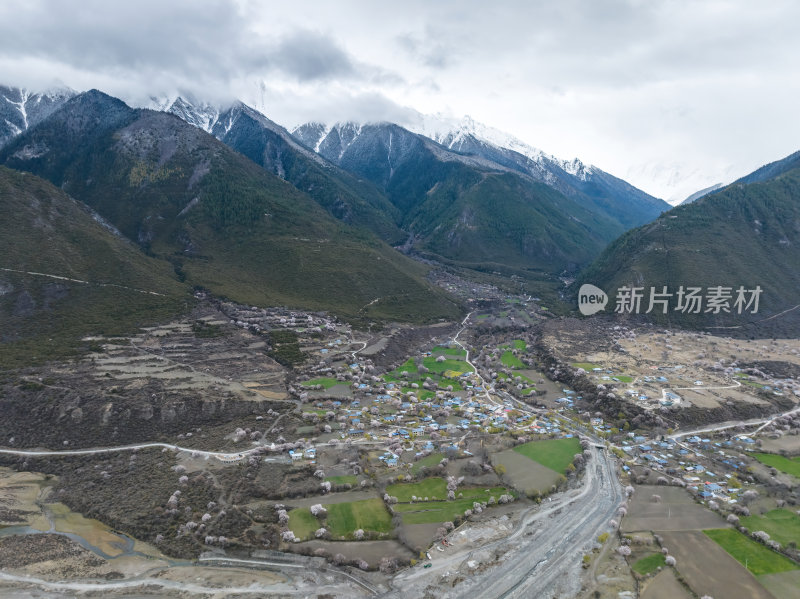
303 454
690 461
263 319
568 399
667 398
377 409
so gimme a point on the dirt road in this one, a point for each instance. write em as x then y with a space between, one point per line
541 558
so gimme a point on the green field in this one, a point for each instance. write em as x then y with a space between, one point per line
555 454
585 365
503 376
444 382
753 384
317 411
787 465
326 382
343 480
436 372
759 559
369 514
423 394
303 523
781 525
429 461
459 366
430 487
649 564
510 360
427 512
449 351
407 366
515 344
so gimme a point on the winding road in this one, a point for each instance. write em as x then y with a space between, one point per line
467 360
98 450
721 426
542 557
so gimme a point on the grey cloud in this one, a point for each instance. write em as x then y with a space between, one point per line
151 35
291 109
311 56
428 49
609 80
202 46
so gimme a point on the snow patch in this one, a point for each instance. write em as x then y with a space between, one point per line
451 133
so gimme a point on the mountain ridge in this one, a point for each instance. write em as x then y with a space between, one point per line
745 234
221 220
21 108
83 279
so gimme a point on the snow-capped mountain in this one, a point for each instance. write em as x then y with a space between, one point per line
221 120
21 108
266 143
484 146
203 115
461 135
468 136
701 193
676 181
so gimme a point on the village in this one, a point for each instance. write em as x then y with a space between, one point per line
400 449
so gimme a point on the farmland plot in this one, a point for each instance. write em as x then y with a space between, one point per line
525 474
709 569
676 511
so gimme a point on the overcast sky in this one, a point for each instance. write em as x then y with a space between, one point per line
670 95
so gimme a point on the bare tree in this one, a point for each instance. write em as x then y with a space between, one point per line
749 496
741 510
387 565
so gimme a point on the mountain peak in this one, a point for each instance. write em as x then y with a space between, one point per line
202 115
462 135
22 108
